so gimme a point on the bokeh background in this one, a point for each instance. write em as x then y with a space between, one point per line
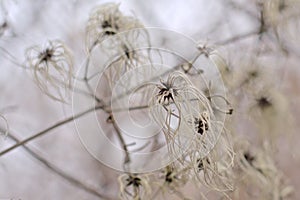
67 170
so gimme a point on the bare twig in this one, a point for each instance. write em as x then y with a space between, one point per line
60 172
58 124
121 139
238 38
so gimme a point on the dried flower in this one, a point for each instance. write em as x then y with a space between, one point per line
52 68
215 169
174 177
171 180
267 109
133 186
106 21
179 98
202 123
259 171
129 57
251 77
173 106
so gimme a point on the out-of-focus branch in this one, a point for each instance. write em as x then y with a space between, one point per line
122 141
237 38
58 124
60 172
65 121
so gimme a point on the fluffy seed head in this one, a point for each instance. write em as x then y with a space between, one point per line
52 68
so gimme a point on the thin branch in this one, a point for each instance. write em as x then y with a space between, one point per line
130 108
69 119
238 38
151 79
59 172
121 139
12 58
58 124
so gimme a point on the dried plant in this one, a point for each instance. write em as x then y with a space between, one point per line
134 186
4 131
257 169
219 109
52 67
106 21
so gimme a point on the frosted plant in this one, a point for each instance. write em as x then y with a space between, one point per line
134 187
52 68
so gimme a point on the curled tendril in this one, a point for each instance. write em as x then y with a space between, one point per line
172 106
177 97
215 169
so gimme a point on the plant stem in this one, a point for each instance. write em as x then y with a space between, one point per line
60 172
58 124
